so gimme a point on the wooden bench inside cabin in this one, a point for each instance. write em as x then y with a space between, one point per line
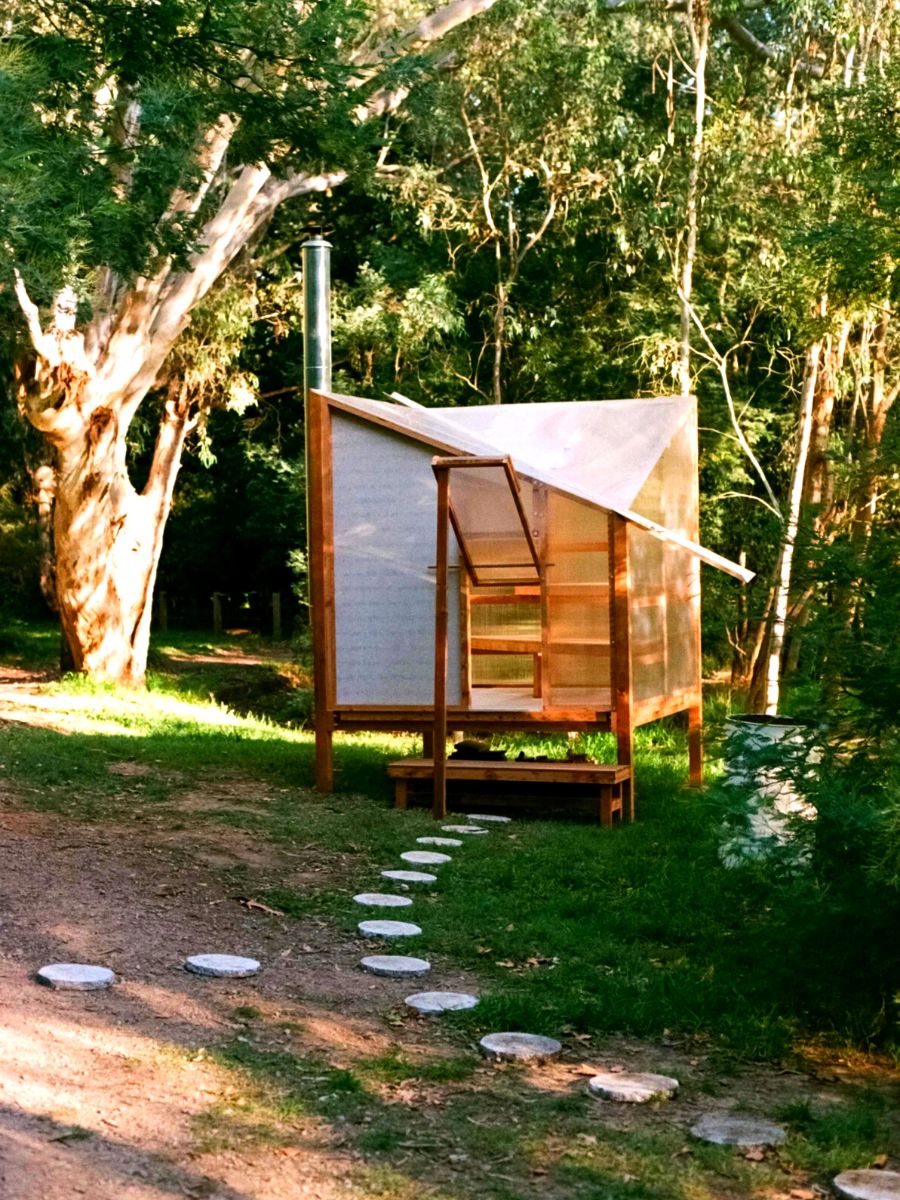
613 782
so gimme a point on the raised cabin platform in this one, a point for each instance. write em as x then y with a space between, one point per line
613 783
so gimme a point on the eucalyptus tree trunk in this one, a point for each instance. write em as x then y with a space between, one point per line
698 26
792 525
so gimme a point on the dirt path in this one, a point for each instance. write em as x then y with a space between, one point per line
171 1085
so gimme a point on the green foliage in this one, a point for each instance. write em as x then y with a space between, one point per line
64 209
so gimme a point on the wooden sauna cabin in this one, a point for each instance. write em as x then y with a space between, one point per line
518 567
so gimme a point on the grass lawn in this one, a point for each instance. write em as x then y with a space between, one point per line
572 931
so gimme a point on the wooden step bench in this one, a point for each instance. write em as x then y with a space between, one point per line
613 782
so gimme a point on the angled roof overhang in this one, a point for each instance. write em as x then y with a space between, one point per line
567 438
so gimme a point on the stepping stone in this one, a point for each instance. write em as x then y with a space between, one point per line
221 966
388 929
738 1131
489 817
519 1047
409 876
425 858
436 841
462 829
394 966
637 1087
868 1185
382 900
75 977
440 1002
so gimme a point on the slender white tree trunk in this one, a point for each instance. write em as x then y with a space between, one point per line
698 24
786 558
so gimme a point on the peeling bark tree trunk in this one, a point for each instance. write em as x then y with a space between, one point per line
109 539
43 479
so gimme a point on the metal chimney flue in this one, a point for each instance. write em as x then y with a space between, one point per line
316 262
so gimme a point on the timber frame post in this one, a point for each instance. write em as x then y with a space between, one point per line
695 711
621 656
441 618
321 581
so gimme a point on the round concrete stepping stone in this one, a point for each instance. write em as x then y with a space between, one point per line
462 829
388 929
519 1047
395 966
436 841
490 817
440 1002
868 1185
221 966
738 1131
425 858
409 876
75 977
638 1087
382 900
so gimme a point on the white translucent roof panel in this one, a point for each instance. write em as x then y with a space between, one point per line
603 448
620 453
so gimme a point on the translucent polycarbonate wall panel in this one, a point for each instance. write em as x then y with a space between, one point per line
498 616
577 665
669 495
682 656
514 620
502 670
385 500
491 525
648 603
664 578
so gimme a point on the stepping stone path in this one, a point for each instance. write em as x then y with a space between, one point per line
868 1185
462 829
382 900
519 1047
409 876
490 817
394 966
75 977
221 966
632 1087
737 1131
425 858
440 1002
437 841
388 929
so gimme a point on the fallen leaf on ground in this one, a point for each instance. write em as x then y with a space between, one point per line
879 1161
71 1135
249 902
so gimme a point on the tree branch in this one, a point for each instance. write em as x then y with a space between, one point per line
740 34
31 314
427 31
721 362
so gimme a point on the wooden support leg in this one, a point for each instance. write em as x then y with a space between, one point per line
401 793
695 745
627 802
324 756
606 817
